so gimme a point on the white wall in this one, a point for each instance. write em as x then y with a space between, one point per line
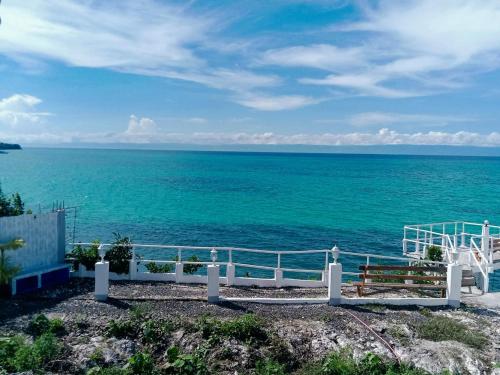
44 236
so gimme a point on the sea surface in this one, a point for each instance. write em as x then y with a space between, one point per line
280 201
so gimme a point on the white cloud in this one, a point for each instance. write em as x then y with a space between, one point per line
276 103
19 110
142 126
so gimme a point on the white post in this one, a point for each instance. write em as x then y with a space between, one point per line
485 240
213 283
132 267
335 279
454 284
179 272
230 273
278 277
101 281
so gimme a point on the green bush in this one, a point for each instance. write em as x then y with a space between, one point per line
141 364
120 254
269 367
88 256
121 328
40 324
8 349
441 328
154 331
159 268
435 253
184 364
12 206
191 268
35 356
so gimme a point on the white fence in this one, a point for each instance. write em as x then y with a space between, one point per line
330 276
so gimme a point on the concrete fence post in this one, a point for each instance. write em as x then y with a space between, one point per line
132 269
213 283
334 283
179 272
230 273
101 281
278 276
485 239
454 284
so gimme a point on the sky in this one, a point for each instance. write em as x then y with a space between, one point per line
281 72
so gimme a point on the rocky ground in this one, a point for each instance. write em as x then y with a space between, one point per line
294 334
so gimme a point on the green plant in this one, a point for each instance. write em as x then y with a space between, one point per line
87 256
161 268
35 356
185 364
40 324
339 363
269 367
191 268
435 253
97 356
247 328
108 371
120 254
441 328
8 349
141 364
12 206
155 331
8 271
121 328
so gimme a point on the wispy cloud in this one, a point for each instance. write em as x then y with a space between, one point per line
370 119
429 46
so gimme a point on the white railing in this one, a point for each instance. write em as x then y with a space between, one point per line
229 254
474 253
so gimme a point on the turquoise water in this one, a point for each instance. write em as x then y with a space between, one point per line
258 200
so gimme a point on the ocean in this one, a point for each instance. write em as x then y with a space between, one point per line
285 201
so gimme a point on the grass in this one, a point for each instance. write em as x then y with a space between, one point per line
441 328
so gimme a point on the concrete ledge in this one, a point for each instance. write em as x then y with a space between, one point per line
278 301
395 301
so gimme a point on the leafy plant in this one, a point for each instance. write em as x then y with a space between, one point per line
35 356
88 256
191 268
159 268
247 328
269 367
8 271
40 324
435 253
121 328
142 364
153 331
120 254
185 364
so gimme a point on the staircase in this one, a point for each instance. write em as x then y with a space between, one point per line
468 278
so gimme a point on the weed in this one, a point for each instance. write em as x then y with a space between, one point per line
247 328
269 367
441 328
142 364
121 328
97 356
108 371
399 334
154 331
34 356
425 312
159 268
40 324
185 364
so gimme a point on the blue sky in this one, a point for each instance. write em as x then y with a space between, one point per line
250 72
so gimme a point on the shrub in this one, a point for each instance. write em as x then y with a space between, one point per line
154 331
435 253
191 268
35 356
40 324
121 328
12 206
269 367
8 349
141 364
159 268
441 328
88 256
120 254
185 364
